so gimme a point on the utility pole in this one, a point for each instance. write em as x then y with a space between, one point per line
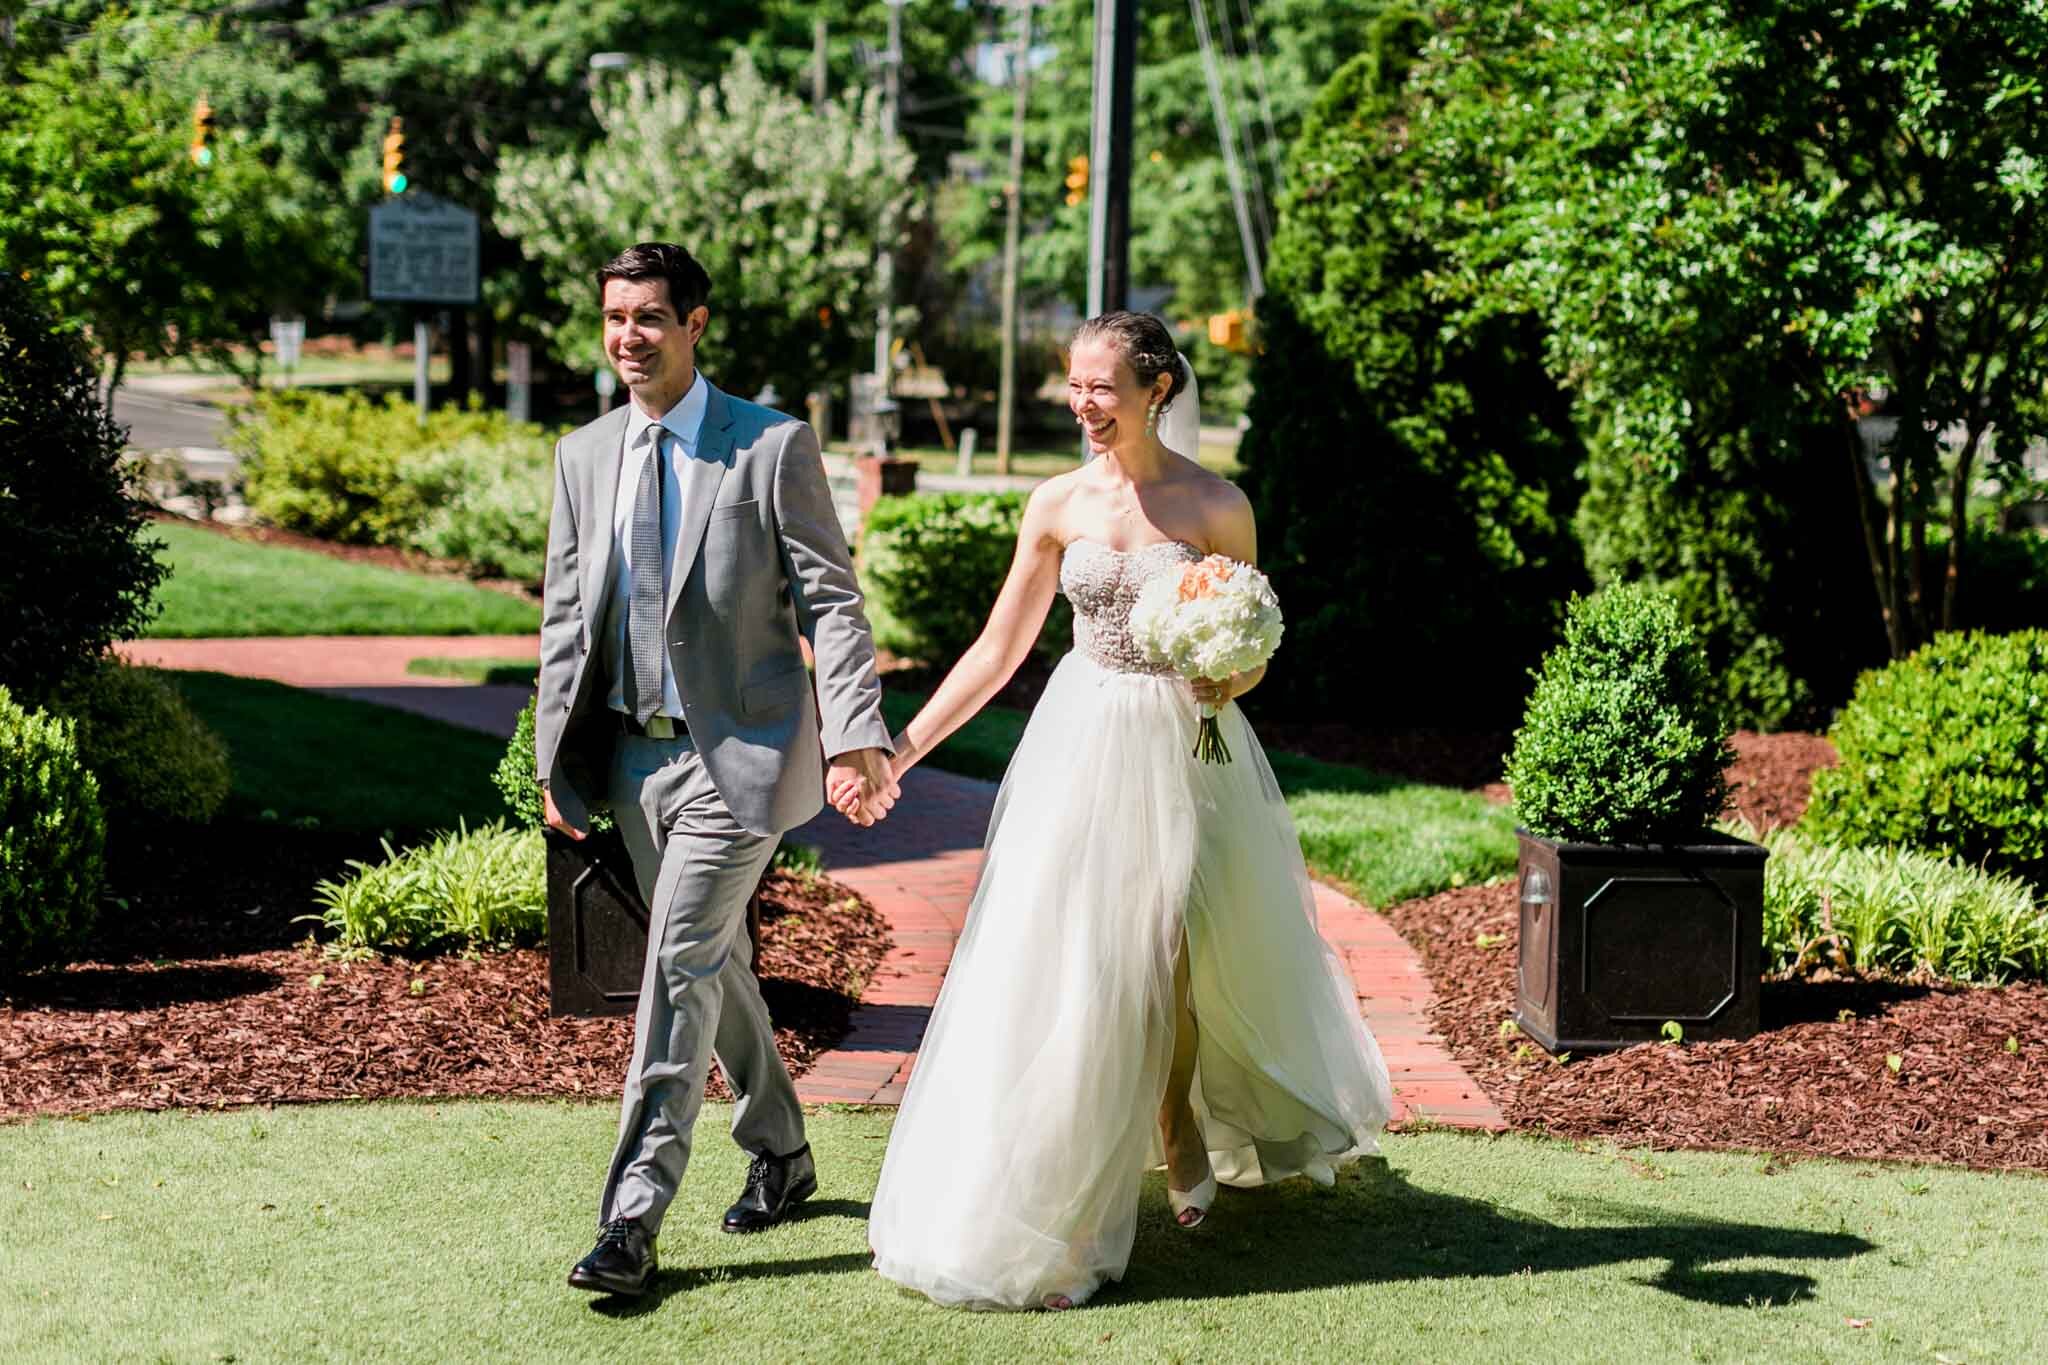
885 252
1109 208
818 63
1013 191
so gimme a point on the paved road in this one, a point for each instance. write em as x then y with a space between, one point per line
159 420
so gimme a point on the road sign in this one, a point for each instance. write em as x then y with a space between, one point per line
423 250
287 334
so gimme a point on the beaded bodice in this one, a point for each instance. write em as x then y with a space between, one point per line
1103 584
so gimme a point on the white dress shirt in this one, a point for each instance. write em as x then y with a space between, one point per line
677 430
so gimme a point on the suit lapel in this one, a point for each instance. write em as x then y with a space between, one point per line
607 449
699 479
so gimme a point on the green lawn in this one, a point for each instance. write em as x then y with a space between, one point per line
1389 840
346 764
476 670
220 586
1383 839
980 748
443 1231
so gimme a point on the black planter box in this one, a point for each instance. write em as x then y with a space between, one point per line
1619 939
597 926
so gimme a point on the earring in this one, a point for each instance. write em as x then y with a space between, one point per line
1152 418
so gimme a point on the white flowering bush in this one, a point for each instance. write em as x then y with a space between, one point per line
778 201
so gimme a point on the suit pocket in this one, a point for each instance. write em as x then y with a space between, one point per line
776 693
736 509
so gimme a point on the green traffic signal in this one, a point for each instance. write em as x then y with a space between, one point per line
398 184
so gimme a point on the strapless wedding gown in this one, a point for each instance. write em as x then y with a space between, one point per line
1031 1116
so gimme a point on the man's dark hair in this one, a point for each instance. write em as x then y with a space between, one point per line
689 287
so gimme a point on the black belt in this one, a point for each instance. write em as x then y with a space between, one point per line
660 727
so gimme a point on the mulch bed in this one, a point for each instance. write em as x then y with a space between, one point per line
199 1002
1971 1086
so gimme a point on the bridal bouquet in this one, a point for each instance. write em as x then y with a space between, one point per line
1214 618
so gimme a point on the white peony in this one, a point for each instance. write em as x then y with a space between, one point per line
1214 618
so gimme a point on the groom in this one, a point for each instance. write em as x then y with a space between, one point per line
692 542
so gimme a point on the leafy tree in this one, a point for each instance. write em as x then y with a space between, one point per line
1183 229
779 201
478 80
1413 483
76 573
125 239
1737 220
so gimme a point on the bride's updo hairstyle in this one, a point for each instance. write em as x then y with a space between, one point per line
1145 345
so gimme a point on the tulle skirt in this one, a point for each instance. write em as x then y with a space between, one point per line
1031 1115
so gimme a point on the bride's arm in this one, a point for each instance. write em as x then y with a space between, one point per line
1012 628
1232 532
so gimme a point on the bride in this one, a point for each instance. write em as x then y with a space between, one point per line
1140 978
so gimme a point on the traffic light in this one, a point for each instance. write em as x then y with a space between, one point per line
1077 179
395 179
1229 330
201 149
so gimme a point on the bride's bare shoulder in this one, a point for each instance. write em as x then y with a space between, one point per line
1218 496
1045 511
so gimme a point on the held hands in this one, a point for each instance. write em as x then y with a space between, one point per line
861 786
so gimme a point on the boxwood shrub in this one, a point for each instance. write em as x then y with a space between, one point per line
52 840
153 758
1623 739
931 565
1946 751
470 485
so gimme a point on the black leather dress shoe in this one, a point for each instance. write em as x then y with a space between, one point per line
622 1262
775 1185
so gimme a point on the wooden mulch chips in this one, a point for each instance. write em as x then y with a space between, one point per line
281 1025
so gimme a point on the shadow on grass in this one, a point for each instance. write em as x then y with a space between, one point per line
683 1279
1376 1227
135 988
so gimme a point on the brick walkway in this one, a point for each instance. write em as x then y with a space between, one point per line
918 868
365 668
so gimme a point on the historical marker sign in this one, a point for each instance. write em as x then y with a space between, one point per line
423 250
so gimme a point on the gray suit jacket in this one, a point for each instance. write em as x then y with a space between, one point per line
759 560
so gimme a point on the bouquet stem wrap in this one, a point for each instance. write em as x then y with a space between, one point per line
1214 619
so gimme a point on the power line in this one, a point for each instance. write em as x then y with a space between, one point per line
1258 175
1226 132
1252 45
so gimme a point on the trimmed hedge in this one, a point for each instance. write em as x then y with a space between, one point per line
471 485
153 758
1946 751
1623 739
931 565
52 841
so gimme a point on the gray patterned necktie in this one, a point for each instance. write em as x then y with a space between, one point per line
643 612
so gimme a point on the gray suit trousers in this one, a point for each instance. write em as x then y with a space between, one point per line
696 866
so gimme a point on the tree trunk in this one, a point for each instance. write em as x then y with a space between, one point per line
1859 477
117 370
1958 504
458 355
